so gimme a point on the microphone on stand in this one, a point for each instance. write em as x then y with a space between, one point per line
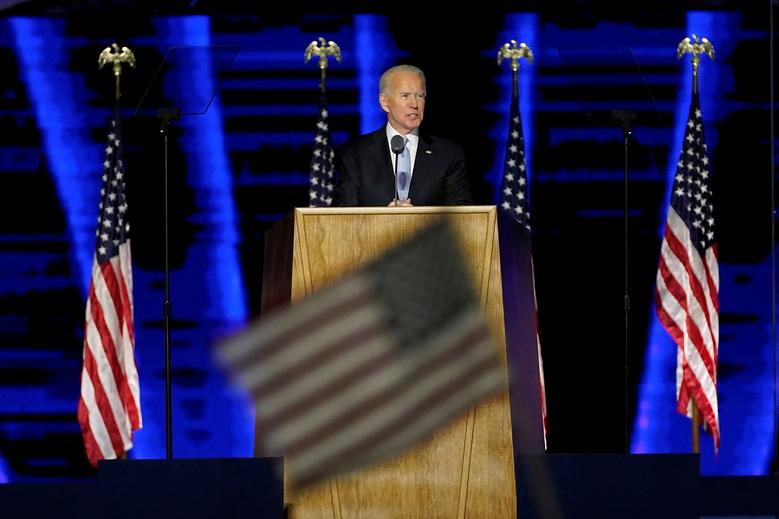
396 145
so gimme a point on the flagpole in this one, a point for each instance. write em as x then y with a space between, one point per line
116 56
702 46
515 187
323 49
321 172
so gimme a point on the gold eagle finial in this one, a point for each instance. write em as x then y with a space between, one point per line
702 46
323 49
511 51
116 56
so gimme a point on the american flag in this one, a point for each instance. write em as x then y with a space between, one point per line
688 277
109 409
514 202
367 367
320 192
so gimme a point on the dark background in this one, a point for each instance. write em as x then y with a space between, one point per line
589 60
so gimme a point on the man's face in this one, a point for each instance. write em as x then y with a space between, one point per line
404 102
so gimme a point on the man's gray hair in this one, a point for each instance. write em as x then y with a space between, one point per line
384 81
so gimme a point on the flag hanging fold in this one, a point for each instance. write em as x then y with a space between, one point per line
109 409
320 191
686 296
514 202
368 367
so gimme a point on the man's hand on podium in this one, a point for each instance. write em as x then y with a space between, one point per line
401 203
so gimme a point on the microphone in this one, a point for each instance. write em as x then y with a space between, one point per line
396 145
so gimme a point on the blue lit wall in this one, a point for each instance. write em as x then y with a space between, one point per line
745 384
526 25
58 98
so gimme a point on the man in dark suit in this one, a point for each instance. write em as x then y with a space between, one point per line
431 170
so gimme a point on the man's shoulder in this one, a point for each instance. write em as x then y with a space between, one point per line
364 140
439 142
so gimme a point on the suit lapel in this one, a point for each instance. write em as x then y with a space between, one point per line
384 162
422 164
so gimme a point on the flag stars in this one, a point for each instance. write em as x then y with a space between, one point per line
321 166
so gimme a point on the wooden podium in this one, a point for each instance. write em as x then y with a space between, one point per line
467 468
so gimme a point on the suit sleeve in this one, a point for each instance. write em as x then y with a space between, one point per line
347 184
457 190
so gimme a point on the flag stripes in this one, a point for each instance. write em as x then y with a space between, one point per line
515 202
686 296
109 409
366 367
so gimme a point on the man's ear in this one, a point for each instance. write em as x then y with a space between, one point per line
384 102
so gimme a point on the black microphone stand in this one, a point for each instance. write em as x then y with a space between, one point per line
167 115
624 117
397 151
395 173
